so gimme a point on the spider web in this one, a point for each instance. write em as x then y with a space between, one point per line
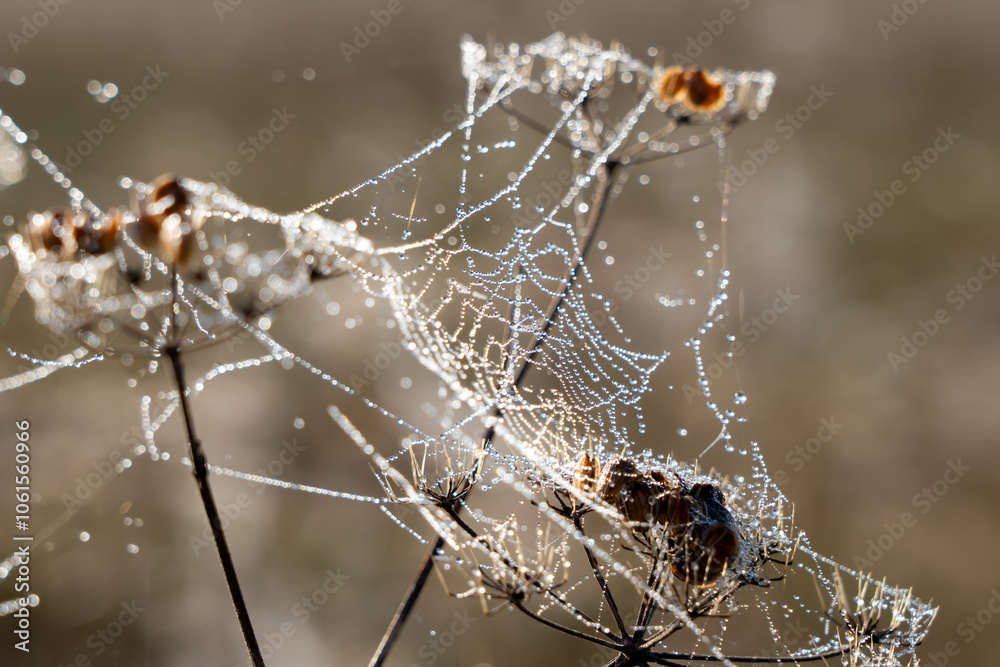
479 244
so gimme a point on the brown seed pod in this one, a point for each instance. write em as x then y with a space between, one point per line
586 474
96 237
704 94
711 503
698 89
638 500
670 86
145 231
705 553
52 231
673 510
169 197
177 239
613 478
167 227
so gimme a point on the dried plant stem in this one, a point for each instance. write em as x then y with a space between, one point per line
199 466
410 598
602 582
406 606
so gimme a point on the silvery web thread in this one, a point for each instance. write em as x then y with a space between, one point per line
231 210
715 317
463 179
594 383
114 305
222 205
602 555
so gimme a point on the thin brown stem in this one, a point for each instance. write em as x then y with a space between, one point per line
199 466
410 598
406 606
599 576
561 628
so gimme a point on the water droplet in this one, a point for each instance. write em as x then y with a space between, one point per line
740 398
84 536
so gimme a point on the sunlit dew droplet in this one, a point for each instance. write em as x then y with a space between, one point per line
84 536
682 432
278 76
15 76
740 398
406 383
332 308
609 260
103 93
264 324
439 209
644 179
309 74
299 423
132 549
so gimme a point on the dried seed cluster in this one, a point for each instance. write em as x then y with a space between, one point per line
694 524
96 275
698 90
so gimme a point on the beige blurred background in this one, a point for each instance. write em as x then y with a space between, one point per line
230 63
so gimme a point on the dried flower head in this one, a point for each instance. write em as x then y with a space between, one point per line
172 271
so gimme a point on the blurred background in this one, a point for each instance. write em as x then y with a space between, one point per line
861 201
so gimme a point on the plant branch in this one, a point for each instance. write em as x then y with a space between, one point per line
413 593
199 467
595 566
406 606
561 628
